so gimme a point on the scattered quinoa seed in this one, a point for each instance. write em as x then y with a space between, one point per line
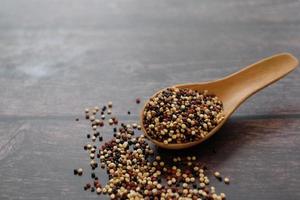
79 171
138 100
134 171
98 190
223 196
217 174
226 180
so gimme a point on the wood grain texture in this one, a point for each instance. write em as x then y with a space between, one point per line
59 56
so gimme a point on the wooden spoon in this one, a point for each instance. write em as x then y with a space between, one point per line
234 89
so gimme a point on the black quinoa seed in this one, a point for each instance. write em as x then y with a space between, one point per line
138 100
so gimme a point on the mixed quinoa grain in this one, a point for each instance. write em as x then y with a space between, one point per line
135 172
181 115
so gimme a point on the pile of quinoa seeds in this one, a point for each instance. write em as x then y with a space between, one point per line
134 170
181 115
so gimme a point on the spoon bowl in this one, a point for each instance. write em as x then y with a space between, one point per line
234 89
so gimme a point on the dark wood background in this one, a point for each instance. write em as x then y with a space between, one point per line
59 56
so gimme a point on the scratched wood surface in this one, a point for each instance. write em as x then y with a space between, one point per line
59 56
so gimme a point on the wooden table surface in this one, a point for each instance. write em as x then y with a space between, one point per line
59 56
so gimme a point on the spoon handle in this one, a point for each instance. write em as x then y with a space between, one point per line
255 77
